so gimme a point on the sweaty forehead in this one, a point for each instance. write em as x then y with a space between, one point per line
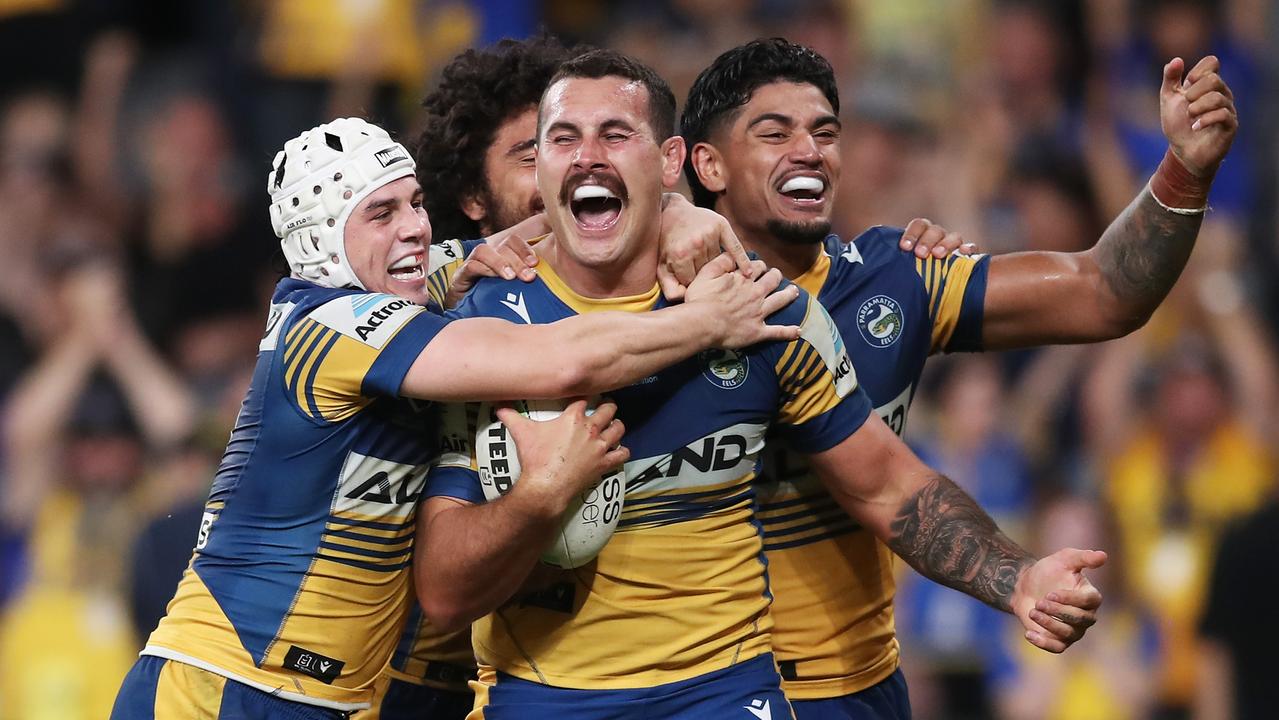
587 102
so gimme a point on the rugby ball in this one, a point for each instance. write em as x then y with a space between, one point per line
588 523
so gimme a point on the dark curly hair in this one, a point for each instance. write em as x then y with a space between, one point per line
599 63
478 91
722 89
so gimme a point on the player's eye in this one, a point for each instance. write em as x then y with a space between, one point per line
562 140
615 137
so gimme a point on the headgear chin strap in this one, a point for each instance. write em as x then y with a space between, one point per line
316 181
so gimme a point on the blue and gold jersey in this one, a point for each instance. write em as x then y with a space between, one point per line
299 583
424 655
442 260
832 580
680 590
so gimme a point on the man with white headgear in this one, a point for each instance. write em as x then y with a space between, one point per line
299 583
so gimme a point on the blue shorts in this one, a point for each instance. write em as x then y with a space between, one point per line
885 700
411 701
749 690
159 688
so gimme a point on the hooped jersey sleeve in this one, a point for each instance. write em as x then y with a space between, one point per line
820 402
956 288
352 349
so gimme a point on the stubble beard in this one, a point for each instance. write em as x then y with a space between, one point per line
798 233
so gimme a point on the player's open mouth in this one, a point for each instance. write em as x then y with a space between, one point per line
408 269
804 190
595 207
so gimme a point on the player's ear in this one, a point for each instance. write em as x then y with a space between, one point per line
709 167
473 207
672 160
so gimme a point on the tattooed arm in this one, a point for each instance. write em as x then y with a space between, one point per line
1038 298
935 526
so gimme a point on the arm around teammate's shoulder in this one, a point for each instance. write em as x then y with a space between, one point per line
488 359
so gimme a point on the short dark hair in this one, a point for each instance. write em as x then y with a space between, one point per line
728 84
601 63
478 91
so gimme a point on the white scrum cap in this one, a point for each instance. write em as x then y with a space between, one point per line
316 181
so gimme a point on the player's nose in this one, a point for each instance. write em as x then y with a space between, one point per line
590 154
804 149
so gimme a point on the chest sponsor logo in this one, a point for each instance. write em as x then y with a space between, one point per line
307 662
725 369
710 460
880 321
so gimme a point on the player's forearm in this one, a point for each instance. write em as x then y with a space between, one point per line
597 352
474 558
1140 256
948 538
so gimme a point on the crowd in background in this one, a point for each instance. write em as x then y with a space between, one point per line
135 139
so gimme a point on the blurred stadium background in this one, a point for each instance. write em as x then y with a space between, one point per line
136 258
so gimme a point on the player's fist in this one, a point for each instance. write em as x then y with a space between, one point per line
1197 114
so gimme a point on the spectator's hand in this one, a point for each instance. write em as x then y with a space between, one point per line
926 237
96 299
1055 602
1197 114
692 237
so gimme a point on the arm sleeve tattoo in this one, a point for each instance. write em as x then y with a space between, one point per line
949 539
1143 252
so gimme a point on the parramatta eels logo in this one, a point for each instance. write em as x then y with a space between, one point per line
880 320
724 368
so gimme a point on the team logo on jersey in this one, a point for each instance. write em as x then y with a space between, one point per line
880 320
725 369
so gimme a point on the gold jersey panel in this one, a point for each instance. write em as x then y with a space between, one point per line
832 581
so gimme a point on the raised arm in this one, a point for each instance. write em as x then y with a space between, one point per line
475 359
155 393
1039 298
940 531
